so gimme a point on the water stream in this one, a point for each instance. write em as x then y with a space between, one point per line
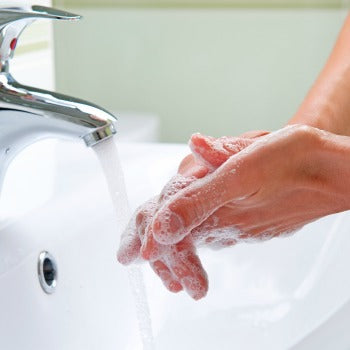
107 154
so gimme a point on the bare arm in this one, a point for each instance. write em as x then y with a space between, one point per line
327 105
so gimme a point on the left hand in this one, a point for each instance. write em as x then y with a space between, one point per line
173 269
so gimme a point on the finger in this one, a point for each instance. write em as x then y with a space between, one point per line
186 266
216 244
215 233
214 152
144 214
236 145
254 134
208 150
131 239
130 244
150 248
176 183
167 277
239 177
189 167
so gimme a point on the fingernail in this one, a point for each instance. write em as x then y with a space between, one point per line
168 227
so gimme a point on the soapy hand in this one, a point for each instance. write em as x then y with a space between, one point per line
178 265
173 264
259 193
271 188
265 187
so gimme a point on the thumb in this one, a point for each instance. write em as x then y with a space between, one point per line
190 207
130 244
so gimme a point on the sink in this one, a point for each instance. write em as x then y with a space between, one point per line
291 293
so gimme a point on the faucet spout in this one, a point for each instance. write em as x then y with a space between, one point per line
61 114
28 114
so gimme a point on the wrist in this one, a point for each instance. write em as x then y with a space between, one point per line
329 168
321 116
327 105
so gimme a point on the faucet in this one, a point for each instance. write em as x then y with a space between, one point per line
28 114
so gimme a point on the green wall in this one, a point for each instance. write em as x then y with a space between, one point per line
218 71
206 3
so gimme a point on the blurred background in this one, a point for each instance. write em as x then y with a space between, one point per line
178 67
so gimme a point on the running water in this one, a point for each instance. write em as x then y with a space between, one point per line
107 154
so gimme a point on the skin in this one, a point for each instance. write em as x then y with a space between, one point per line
178 265
255 187
276 185
327 104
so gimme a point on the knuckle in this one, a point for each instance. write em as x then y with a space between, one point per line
302 131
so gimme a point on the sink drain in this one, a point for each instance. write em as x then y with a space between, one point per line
47 271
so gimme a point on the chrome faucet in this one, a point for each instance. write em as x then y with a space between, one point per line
28 114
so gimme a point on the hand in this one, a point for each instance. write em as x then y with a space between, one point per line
186 272
261 193
273 187
174 270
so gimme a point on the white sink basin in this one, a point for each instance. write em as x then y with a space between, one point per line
283 294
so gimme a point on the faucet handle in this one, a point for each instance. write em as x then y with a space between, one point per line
14 19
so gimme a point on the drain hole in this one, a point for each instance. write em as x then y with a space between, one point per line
47 270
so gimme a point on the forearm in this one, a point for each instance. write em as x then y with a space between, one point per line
327 105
